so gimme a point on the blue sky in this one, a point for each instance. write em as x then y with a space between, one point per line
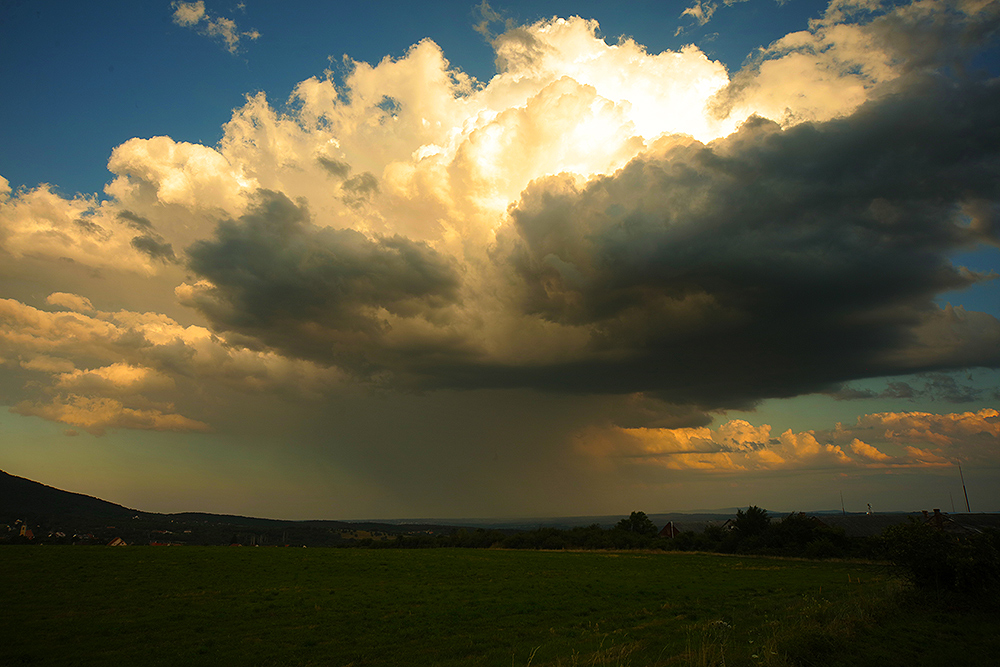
122 70
705 254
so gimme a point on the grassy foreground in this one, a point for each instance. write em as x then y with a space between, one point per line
273 606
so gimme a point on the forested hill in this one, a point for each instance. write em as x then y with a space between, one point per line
20 496
56 517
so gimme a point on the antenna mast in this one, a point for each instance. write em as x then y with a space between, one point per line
967 509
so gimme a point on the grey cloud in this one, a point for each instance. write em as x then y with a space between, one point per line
363 184
516 49
136 222
92 228
336 168
947 388
154 246
939 35
846 393
356 189
984 218
898 390
770 263
359 189
936 386
148 241
647 411
316 293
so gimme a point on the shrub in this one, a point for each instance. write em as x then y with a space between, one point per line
933 558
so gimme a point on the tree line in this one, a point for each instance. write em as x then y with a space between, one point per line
929 557
751 532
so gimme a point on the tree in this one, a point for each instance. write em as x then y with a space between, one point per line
638 523
754 521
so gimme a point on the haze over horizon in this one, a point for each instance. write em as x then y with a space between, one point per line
527 521
502 260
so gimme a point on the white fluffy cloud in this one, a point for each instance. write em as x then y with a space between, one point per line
108 370
851 53
40 223
190 176
96 415
193 15
901 440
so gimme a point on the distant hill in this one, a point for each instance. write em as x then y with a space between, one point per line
25 499
53 512
20 496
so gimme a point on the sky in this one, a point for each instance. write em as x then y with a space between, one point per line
511 259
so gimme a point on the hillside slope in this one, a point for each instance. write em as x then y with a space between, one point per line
20 496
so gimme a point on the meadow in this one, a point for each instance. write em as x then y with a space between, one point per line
285 606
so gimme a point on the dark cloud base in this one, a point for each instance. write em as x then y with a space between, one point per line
773 262
767 264
315 293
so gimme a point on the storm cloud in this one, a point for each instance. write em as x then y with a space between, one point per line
769 263
773 262
318 293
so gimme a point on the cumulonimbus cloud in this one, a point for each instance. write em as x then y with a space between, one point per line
724 270
594 219
327 294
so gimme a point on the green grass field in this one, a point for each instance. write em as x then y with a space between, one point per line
275 606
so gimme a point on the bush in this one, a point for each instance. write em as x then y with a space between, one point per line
803 535
932 558
822 548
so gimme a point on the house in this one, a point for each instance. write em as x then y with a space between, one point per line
670 530
961 524
117 542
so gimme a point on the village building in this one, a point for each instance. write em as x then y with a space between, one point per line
670 530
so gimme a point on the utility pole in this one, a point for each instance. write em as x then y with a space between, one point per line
964 490
842 508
